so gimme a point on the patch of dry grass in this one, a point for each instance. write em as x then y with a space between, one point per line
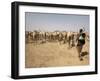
53 55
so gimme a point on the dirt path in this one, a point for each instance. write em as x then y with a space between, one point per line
53 55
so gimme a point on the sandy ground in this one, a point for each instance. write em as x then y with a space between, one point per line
54 55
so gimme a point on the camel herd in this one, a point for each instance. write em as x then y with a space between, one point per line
62 37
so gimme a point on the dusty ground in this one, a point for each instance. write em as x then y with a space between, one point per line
54 55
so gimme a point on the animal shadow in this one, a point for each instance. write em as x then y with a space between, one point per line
84 54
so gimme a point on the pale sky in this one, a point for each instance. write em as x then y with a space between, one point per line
53 22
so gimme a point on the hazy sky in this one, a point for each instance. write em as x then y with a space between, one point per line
53 22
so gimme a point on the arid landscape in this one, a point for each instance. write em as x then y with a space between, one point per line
54 54
53 39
